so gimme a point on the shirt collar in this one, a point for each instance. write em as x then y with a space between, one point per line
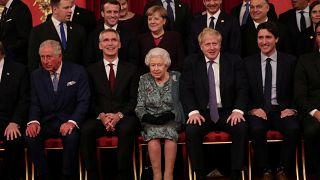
215 15
108 27
58 71
9 3
244 3
55 21
72 9
305 10
114 62
257 24
273 56
216 60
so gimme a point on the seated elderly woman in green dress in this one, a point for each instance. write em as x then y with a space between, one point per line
160 111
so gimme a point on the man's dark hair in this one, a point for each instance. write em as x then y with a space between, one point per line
270 26
114 2
54 3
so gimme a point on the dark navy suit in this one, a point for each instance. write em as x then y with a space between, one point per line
51 109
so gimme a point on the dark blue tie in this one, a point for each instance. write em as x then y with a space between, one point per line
246 14
55 82
213 106
63 36
268 85
170 14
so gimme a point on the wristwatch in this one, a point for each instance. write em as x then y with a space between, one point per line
120 115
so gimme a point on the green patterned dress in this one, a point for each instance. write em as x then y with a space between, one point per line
155 100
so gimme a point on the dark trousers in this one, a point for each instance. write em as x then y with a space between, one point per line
311 132
288 126
126 130
51 129
12 155
196 133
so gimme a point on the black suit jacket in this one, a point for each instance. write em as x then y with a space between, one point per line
272 15
307 82
195 88
284 82
249 35
123 100
83 17
227 25
183 16
289 19
76 41
14 93
127 52
15 28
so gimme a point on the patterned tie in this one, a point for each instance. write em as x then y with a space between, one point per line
246 14
112 78
170 14
303 25
268 85
211 24
213 106
55 82
63 36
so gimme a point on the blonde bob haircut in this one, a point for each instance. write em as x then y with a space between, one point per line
159 53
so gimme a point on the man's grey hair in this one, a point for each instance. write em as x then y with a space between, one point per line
52 43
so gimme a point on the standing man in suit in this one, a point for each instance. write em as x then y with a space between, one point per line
307 95
270 76
59 101
110 11
81 16
14 104
15 26
215 18
242 12
214 101
70 35
114 86
297 20
259 13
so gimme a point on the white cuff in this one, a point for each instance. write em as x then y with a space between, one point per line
238 110
312 112
33 121
75 123
193 112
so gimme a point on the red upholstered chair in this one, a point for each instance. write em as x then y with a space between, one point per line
50 144
141 143
214 137
111 142
272 136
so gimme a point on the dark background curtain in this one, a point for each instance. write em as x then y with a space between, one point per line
138 5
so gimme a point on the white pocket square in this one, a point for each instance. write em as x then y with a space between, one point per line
8 20
70 83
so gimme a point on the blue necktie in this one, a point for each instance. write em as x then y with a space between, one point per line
55 82
170 14
267 85
63 36
213 106
246 14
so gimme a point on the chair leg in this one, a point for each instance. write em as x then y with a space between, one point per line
26 163
242 175
80 167
303 161
190 170
32 171
140 160
249 161
134 164
297 162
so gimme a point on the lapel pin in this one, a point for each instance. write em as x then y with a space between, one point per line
78 13
8 74
311 37
179 5
70 27
222 21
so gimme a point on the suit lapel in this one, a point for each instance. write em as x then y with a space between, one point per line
63 79
47 82
52 32
76 14
317 61
202 71
258 75
220 22
223 68
102 74
119 75
6 73
280 73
